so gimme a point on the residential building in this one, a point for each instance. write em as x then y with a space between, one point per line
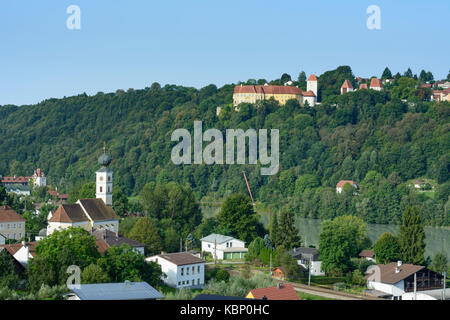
367 255
107 239
183 270
114 291
211 297
22 252
399 281
224 247
375 84
18 189
279 273
346 87
6 181
363 86
12 225
306 256
278 292
309 97
340 185
86 214
38 177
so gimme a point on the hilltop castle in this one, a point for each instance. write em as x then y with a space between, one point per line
254 93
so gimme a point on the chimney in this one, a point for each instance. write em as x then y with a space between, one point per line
397 270
399 263
24 244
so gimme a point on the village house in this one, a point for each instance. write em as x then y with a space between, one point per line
224 247
107 239
278 292
375 84
19 189
367 255
12 225
38 179
399 281
346 87
306 256
183 269
340 185
22 252
278 273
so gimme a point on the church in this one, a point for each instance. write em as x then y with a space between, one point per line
90 214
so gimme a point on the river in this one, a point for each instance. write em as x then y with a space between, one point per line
437 238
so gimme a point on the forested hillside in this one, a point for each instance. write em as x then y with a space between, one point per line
373 138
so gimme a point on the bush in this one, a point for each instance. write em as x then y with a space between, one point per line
222 275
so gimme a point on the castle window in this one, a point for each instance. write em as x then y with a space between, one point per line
101 189
109 178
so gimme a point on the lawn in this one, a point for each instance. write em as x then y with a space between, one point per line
308 296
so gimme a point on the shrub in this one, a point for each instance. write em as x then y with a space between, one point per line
222 275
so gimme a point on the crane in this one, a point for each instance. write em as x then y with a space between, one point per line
248 187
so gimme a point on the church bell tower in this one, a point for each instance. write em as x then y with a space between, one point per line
104 179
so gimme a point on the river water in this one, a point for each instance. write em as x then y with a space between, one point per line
437 238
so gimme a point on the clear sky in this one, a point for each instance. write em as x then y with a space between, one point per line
131 44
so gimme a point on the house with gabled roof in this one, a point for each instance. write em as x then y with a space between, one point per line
340 185
400 281
86 214
12 224
114 291
107 239
181 269
224 247
375 84
278 292
308 259
346 87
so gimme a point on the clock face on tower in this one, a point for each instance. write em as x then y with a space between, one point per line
101 178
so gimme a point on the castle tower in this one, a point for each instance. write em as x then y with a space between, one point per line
311 84
104 177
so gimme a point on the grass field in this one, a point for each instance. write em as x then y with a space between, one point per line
308 296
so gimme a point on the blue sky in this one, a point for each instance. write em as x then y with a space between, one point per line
130 44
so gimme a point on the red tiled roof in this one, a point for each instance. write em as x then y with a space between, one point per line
375 83
343 182
53 193
13 248
15 179
309 94
268 89
7 214
286 292
312 78
69 213
347 85
367 253
363 86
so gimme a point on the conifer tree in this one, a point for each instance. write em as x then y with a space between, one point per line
412 237
288 236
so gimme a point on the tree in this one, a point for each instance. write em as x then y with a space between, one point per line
239 217
302 80
339 241
288 236
285 78
120 202
408 73
254 249
84 191
125 263
144 232
387 74
9 276
412 237
387 248
94 274
222 275
440 263
274 229
289 265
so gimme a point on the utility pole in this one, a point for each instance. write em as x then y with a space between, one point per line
309 273
270 265
215 251
415 286
445 285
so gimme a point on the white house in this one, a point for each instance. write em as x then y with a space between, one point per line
304 256
39 178
346 87
182 269
22 252
397 281
224 247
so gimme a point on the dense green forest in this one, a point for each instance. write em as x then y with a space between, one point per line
381 140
